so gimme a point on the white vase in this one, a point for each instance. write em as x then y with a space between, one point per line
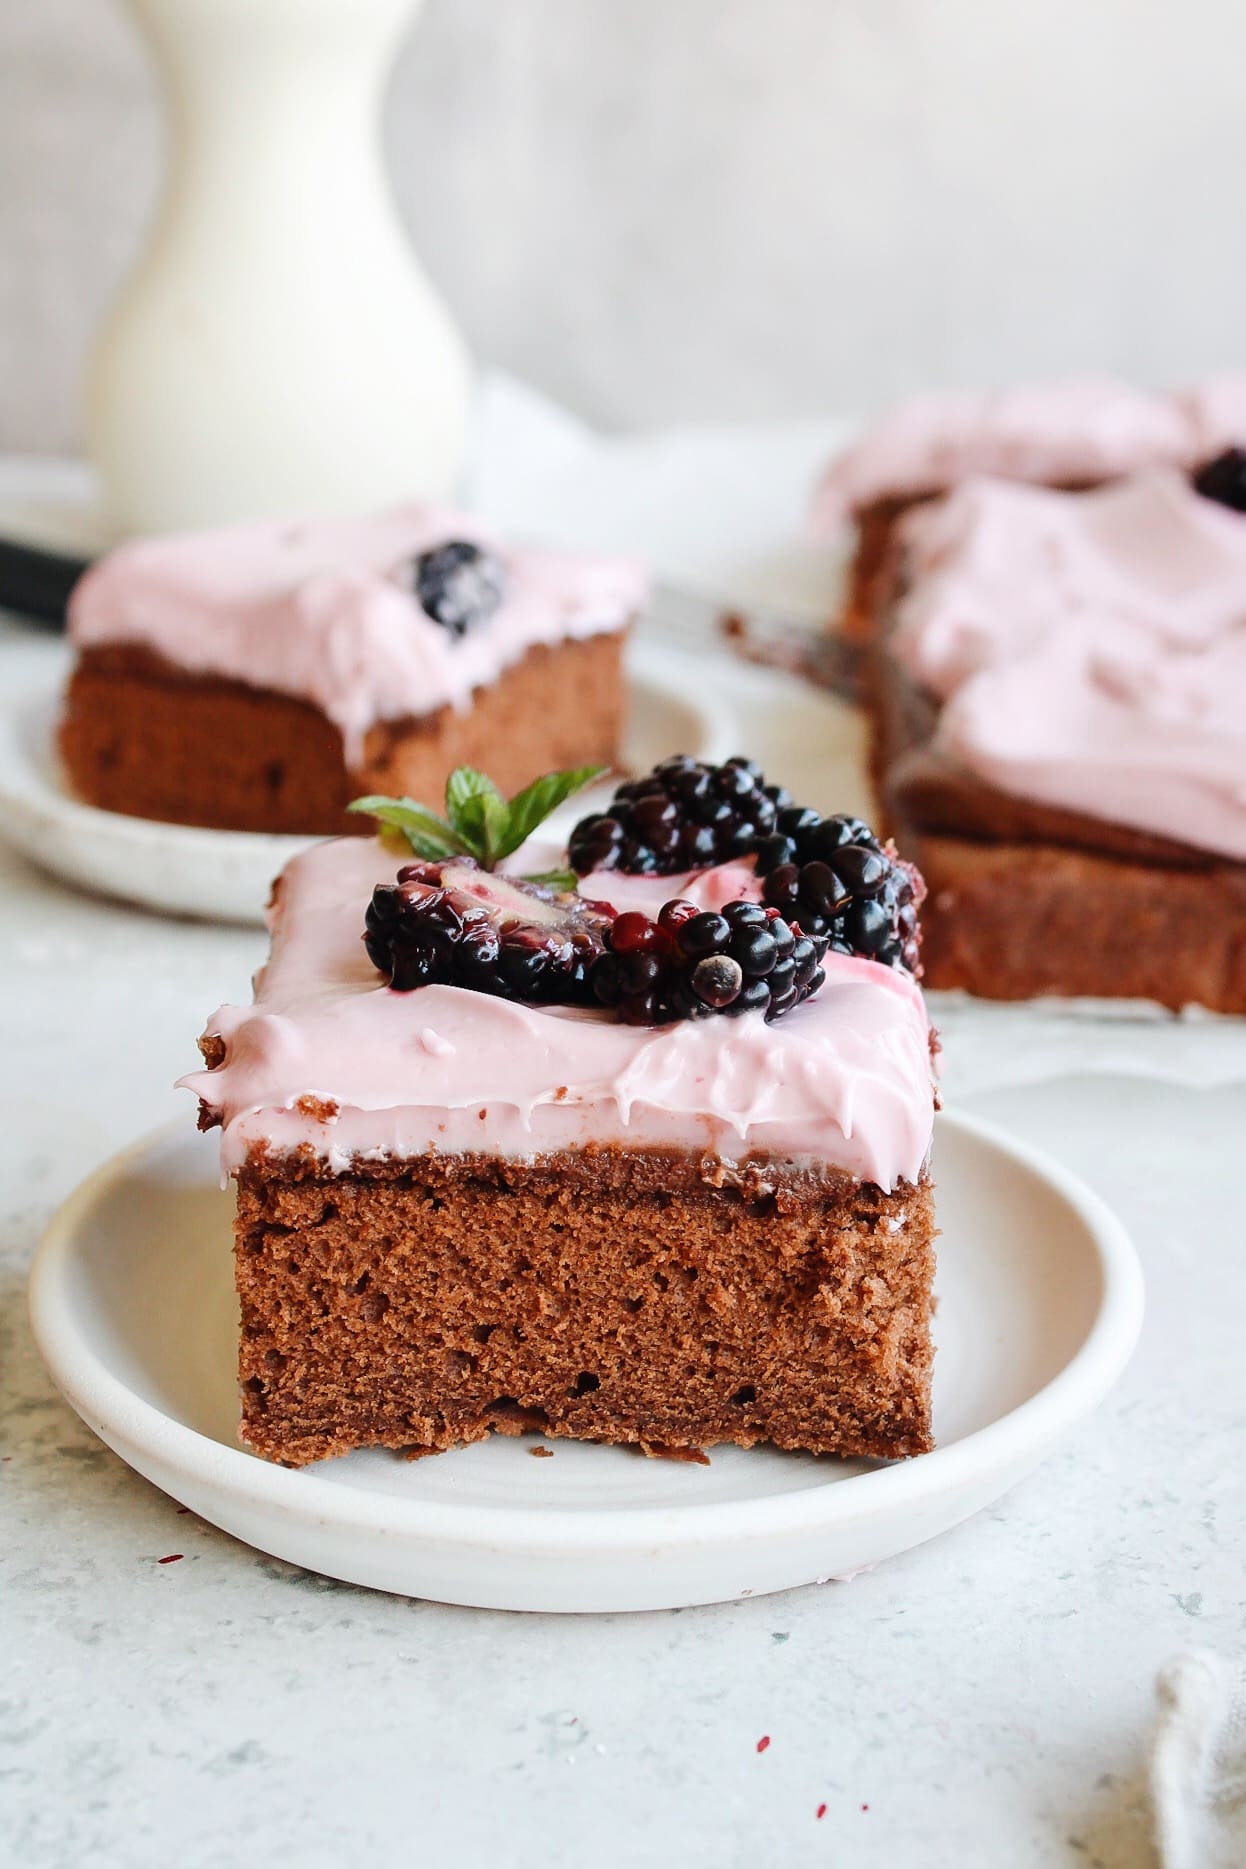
278 349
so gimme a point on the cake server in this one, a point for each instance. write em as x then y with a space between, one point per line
767 637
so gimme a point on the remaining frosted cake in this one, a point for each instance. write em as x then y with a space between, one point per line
643 1160
1061 734
1076 433
259 678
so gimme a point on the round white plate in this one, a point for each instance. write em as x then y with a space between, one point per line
1040 1301
226 875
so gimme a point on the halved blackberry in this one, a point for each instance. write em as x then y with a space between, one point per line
454 924
842 884
691 963
683 815
1224 479
458 584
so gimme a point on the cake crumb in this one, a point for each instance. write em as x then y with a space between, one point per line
541 1453
659 1450
320 1109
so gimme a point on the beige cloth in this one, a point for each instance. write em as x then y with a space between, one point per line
1198 1764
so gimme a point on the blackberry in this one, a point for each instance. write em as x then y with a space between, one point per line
454 924
682 816
458 584
843 886
1224 479
691 963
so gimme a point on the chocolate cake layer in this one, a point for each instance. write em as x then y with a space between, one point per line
142 737
656 1300
1016 921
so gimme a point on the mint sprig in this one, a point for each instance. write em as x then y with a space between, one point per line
479 822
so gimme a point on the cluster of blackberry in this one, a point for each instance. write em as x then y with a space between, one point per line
458 584
828 885
836 878
454 924
682 816
692 962
830 877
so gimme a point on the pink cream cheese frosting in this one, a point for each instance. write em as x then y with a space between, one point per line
314 610
329 1058
1082 430
1089 648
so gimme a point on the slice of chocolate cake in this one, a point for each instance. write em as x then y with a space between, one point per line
643 1161
259 678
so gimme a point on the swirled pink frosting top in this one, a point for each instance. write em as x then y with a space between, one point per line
329 1058
314 610
1089 648
1071 433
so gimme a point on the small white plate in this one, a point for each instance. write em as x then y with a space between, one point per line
1040 1302
225 875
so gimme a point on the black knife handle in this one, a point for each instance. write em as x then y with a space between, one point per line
37 582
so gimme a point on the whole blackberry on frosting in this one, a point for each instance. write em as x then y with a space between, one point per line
683 815
459 584
841 882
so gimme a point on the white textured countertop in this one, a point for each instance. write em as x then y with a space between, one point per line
983 1700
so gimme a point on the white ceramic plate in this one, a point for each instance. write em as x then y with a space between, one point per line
1040 1301
225 875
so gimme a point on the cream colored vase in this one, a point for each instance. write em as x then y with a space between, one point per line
278 348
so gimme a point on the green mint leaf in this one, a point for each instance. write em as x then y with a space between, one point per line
483 824
534 804
476 809
464 788
429 836
479 822
561 880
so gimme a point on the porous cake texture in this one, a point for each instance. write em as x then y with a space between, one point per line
608 1295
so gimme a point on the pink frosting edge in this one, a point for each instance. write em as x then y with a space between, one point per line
310 609
1080 428
1087 648
842 1083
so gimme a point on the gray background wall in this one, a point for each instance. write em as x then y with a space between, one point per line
685 209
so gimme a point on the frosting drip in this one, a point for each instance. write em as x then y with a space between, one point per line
1089 648
312 610
1067 433
328 1058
